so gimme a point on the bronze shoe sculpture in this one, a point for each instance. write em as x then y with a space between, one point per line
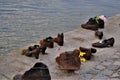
48 42
93 24
59 39
105 43
88 52
43 49
34 51
30 48
69 60
38 72
99 34
90 27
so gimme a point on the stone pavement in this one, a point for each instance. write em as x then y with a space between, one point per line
105 64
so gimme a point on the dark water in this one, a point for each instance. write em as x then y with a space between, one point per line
23 22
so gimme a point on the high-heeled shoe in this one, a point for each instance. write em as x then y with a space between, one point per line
99 34
105 43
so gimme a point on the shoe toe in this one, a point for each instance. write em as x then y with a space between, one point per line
96 44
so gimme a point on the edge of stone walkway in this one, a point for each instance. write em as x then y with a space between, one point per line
15 63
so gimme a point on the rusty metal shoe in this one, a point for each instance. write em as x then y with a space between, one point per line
99 34
101 24
105 43
97 20
59 39
92 50
69 60
43 49
88 52
38 72
34 51
93 24
48 42
92 27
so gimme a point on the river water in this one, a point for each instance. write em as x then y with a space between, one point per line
23 22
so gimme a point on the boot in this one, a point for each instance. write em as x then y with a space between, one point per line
59 39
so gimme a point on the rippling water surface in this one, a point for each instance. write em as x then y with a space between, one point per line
23 22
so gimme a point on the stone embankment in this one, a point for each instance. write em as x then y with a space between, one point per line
105 64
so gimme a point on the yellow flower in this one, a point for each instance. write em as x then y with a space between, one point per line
83 60
81 54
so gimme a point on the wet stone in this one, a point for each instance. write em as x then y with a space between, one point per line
115 56
115 59
116 63
118 54
115 79
100 67
106 63
119 71
86 76
110 60
100 77
107 72
93 72
77 71
115 75
113 67
2 77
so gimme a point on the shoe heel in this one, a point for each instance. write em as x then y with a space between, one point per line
112 41
101 36
111 44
